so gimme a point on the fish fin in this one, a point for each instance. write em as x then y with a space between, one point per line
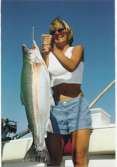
49 127
36 156
30 154
22 98
52 102
24 47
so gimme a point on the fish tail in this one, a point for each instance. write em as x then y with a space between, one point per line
36 156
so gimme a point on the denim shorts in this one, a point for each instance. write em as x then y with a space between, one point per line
70 116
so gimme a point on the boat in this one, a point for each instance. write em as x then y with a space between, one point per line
101 147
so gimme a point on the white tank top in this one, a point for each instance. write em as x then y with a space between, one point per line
59 74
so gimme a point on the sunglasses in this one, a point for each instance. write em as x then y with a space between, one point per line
60 30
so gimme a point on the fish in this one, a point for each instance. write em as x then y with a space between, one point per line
36 96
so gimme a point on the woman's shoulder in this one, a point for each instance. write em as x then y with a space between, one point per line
78 46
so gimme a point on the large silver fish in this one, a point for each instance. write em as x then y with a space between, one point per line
36 94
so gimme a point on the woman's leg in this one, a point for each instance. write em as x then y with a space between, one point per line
55 144
80 143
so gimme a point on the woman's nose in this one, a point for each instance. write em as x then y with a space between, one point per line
57 32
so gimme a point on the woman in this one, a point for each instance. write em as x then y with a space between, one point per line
70 115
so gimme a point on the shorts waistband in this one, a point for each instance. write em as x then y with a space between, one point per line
70 100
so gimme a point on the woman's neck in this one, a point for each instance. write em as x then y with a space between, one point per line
63 47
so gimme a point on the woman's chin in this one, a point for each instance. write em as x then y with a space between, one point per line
60 43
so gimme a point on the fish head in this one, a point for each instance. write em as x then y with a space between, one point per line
32 55
28 53
25 49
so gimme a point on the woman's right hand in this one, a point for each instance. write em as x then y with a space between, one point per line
45 49
46 43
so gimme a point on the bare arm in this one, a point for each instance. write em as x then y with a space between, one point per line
70 63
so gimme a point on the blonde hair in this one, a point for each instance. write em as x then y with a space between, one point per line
66 26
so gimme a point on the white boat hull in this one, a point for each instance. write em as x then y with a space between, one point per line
101 149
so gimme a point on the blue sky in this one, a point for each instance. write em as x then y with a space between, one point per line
93 25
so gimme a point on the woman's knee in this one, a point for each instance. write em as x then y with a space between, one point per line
80 157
